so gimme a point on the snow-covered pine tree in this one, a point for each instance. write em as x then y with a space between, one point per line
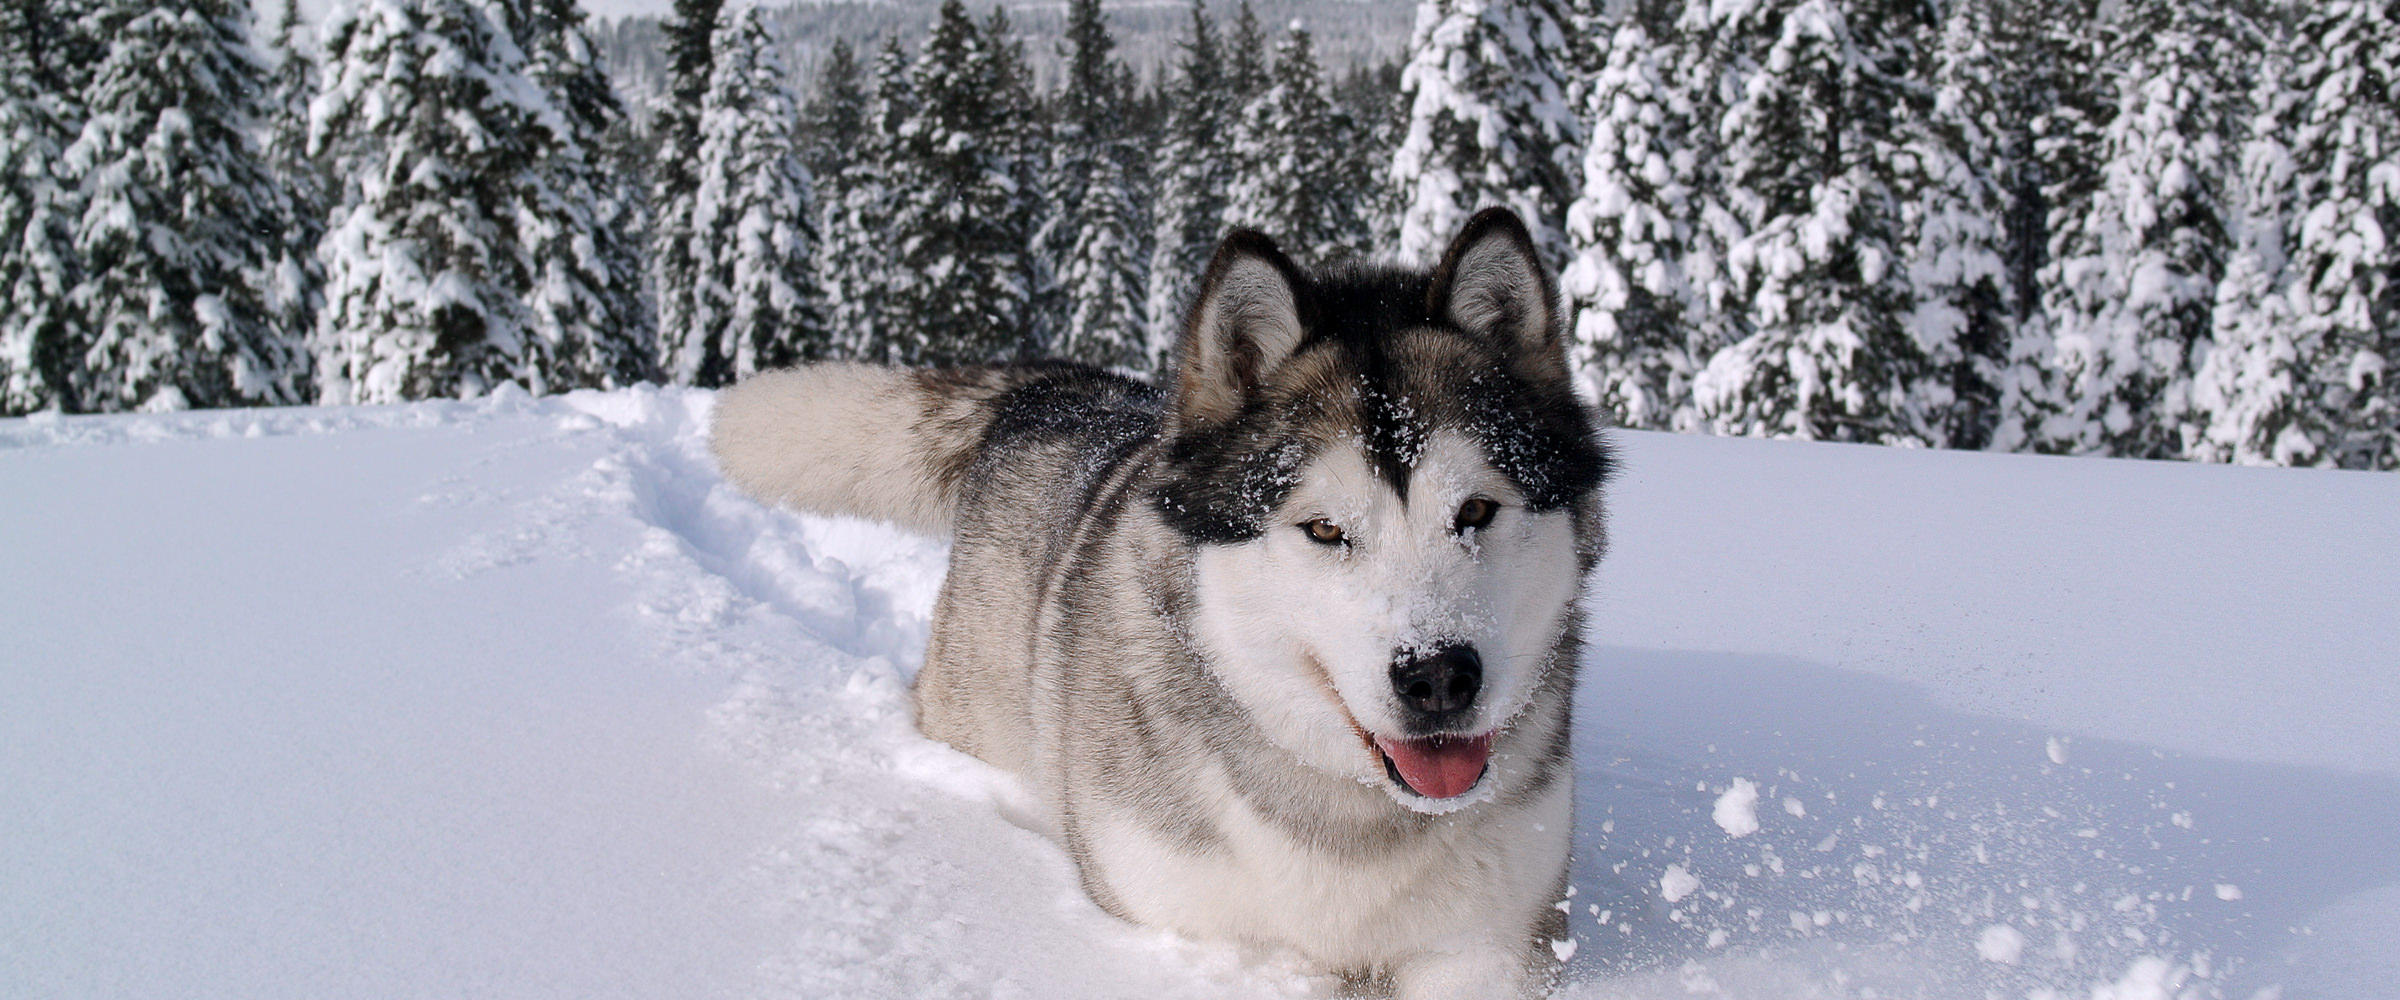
2346 237
2252 396
175 197
1297 160
1953 209
41 333
296 292
1021 141
2052 105
960 288
1105 273
1193 169
52 39
576 215
1369 96
1061 167
834 121
836 134
675 170
1490 122
431 126
1359 203
43 48
1095 226
858 254
1809 144
1246 65
753 223
622 157
689 36
1055 187
1641 325
2132 284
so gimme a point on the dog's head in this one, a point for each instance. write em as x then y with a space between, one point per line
1394 495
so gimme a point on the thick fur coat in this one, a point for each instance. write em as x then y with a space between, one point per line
1287 649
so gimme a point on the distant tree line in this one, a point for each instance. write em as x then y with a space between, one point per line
1349 34
441 196
2165 232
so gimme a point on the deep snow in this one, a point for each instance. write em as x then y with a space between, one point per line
514 698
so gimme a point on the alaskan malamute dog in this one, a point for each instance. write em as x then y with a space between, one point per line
1287 647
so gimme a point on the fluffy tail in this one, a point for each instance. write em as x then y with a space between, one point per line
891 444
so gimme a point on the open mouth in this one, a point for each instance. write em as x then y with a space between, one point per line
1436 767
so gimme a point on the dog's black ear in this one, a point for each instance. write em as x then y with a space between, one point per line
1491 283
1247 319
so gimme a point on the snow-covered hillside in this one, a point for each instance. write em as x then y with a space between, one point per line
513 698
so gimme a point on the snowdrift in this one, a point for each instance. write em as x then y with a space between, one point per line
514 698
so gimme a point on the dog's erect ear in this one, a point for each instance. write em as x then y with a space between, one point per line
1491 283
1246 321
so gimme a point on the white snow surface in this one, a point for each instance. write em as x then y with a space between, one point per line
515 698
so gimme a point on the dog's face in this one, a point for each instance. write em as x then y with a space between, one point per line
1394 492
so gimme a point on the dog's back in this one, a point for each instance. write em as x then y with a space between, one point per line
1005 458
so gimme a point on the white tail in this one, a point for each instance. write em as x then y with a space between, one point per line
891 444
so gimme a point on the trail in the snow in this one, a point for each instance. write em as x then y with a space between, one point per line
901 875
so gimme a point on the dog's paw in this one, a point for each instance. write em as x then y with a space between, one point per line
1482 974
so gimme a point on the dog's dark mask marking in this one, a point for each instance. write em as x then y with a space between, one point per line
1382 352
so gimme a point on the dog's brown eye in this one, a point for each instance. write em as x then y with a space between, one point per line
1323 532
1476 513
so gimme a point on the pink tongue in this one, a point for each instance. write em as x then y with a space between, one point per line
1439 767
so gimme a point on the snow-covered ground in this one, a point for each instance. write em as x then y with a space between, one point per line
514 698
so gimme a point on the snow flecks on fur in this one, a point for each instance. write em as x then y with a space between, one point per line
1484 791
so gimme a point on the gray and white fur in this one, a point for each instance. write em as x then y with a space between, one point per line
1286 650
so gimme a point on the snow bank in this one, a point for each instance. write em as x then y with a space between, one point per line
515 698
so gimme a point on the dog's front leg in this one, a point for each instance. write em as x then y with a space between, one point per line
1492 973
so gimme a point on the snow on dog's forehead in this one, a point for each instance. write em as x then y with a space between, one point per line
1386 396
1341 481
1394 395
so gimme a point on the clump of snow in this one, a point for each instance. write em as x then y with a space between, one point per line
1737 810
1677 883
2148 978
2000 943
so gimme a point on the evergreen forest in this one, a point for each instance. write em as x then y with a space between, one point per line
2138 228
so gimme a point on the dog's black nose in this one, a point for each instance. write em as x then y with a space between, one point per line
1441 682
